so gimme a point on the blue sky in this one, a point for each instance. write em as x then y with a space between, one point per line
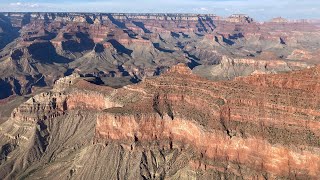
258 9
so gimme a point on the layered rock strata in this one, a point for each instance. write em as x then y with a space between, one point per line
36 49
177 125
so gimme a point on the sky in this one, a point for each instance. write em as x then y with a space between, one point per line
258 9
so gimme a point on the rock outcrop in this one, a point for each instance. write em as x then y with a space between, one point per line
177 125
39 48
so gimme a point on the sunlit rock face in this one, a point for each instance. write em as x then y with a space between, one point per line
39 48
255 127
254 122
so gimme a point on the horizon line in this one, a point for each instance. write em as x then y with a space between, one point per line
159 13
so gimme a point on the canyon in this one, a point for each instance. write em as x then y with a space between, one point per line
158 96
36 49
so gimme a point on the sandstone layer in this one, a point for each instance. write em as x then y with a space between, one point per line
174 126
36 49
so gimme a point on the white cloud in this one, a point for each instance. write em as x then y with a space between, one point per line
34 5
16 4
24 5
204 9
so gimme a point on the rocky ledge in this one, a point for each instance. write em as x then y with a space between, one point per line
258 127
